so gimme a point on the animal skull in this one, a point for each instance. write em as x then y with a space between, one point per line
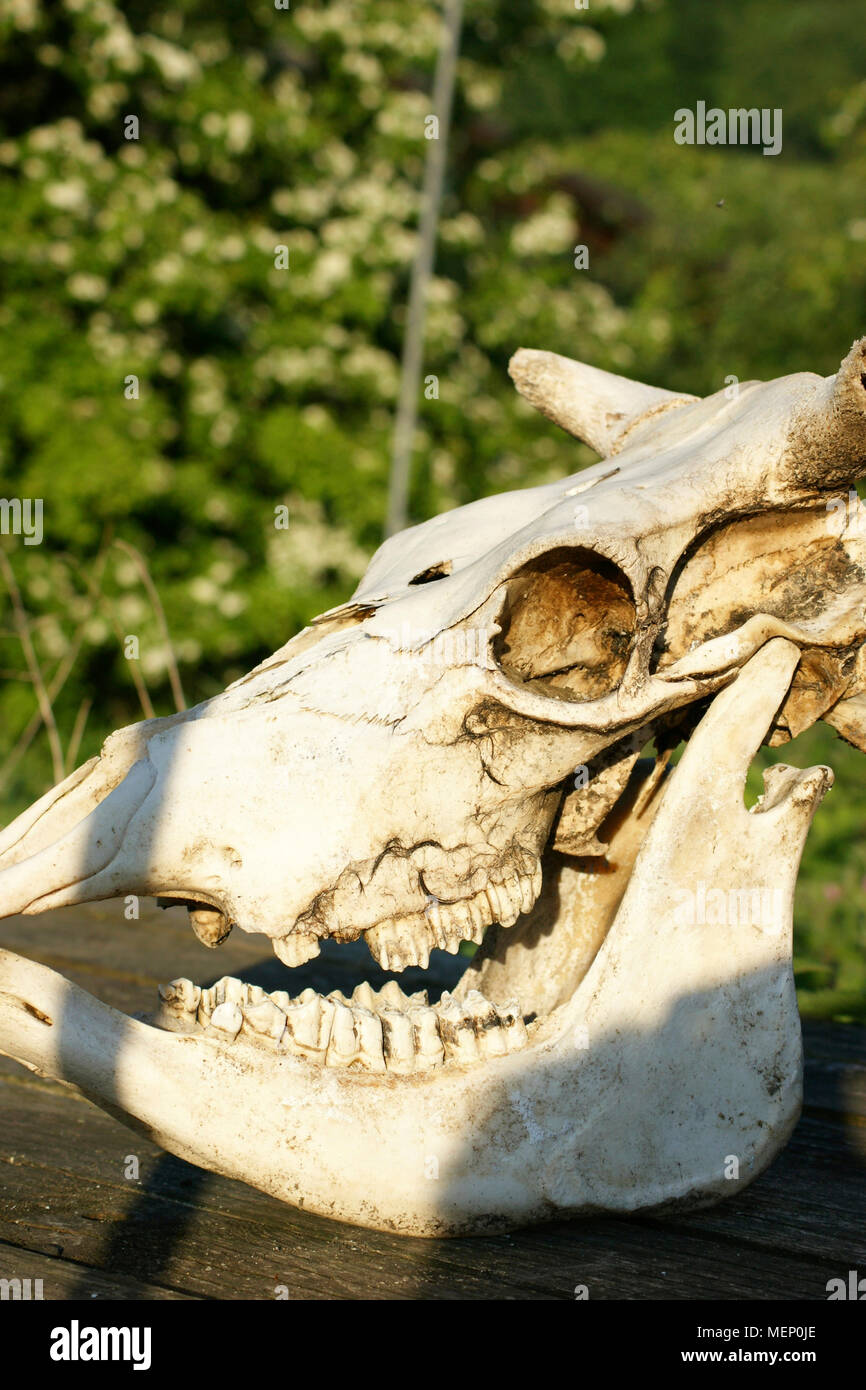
454 755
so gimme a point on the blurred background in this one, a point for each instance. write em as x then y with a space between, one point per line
260 387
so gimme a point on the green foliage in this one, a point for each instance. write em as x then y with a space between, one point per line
262 387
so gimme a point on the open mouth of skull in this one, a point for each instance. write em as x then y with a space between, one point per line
478 748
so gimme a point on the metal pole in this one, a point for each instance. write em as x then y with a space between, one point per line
422 270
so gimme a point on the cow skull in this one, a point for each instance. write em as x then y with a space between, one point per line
454 755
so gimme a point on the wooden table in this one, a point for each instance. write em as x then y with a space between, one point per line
70 1216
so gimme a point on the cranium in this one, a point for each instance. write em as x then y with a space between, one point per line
453 755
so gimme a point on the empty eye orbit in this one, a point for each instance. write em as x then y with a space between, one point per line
567 625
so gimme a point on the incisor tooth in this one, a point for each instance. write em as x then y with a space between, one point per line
296 949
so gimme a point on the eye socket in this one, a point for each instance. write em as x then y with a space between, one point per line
567 625
433 572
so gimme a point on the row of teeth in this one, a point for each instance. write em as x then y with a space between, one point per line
375 1032
399 942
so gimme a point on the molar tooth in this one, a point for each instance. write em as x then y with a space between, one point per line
343 1043
487 1024
478 909
368 1027
509 896
456 1031
419 999
178 1005
231 991
181 996
363 995
209 925
467 921
435 924
206 1005
452 943
527 894
281 998
309 1026
497 907
428 1044
475 1006
296 949
400 941
451 927
266 1020
226 1020
379 945
392 995
398 1036
513 1027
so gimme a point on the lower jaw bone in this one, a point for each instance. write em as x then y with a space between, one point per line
679 1048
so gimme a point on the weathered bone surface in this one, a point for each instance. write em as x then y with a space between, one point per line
455 755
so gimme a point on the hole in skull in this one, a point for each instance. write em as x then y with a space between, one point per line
432 572
566 625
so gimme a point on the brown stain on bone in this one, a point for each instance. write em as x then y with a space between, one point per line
38 1014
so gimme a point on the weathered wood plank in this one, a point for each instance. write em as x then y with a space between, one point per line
61 1279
